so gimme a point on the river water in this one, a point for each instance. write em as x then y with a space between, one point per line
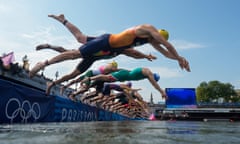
122 132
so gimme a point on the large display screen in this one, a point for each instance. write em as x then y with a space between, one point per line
181 98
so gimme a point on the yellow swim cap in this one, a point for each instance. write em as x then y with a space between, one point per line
115 64
164 33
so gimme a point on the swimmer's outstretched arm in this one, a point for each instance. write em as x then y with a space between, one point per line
137 54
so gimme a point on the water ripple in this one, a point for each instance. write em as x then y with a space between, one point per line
127 132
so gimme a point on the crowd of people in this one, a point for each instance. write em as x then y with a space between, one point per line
107 94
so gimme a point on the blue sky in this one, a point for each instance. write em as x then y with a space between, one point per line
204 32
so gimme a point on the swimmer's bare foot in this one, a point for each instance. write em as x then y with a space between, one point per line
49 86
59 18
62 90
42 46
37 68
72 97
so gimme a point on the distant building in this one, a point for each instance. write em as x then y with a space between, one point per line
238 92
151 99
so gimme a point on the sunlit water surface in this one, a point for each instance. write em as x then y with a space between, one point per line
122 132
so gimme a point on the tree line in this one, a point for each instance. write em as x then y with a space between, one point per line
214 91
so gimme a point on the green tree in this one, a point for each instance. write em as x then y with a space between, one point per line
201 92
213 90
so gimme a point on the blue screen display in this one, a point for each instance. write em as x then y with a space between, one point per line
181 98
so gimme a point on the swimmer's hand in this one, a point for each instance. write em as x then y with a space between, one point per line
151 57
183 63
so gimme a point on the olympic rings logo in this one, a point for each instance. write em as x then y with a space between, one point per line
25 110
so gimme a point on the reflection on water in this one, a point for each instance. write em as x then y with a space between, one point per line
122 132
